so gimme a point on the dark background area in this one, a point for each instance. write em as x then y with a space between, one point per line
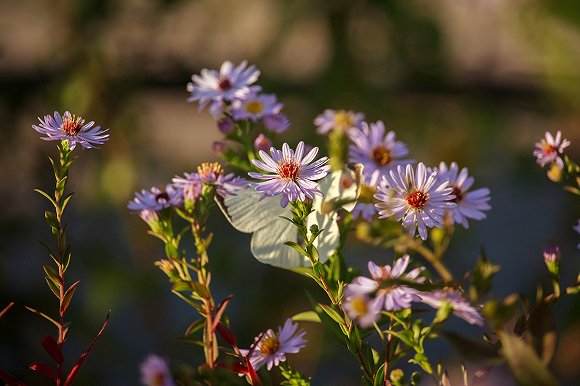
475 82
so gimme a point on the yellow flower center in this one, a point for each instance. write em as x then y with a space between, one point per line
367 194
343 120
72 125
254 107
381 155
359 305
207 168
270 345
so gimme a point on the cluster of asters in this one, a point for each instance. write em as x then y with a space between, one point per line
391 289
232 97
185 191
420 197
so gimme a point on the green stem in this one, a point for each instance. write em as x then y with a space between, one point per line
433 259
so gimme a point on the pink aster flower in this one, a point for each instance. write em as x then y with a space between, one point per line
375 149
155 372
549 149
388 296
270 348
416 199
292 176
156 199
276 123
362 309
255 106
226 85
340 120
72 129
209 174
461 306
469 204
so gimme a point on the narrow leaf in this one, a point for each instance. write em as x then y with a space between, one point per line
5 310
45 369
193 327
73 373
68 296
226 334
306 316
51 219
220 311
53 349
10 380
296 247
53 286
43 315
48 197
525 364
332 313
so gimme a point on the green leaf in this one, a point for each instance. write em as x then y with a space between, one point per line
525 364
51 219
195 326
47 196
306 316
68 296
65 201
380 376
200 289
297 248
332 313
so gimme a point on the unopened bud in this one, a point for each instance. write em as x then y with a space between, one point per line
225 125
552 260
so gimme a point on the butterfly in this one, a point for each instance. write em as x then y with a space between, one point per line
248 214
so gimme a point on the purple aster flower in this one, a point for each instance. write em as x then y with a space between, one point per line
549 149
209 174
469 204
461 307
270 348
155 372
365 205
226 85
388 296
340 120
255 106
375 150
262 142
362 309
277 123
72 129
292 176
156 199
416 199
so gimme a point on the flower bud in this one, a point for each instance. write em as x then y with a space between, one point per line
225 125
552 260
262 143
218 147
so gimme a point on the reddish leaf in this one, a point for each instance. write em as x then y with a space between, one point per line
226 334
73 373
53 349
10 380
252 373
5 310
220 309
45 369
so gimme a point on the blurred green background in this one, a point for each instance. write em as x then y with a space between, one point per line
475 82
